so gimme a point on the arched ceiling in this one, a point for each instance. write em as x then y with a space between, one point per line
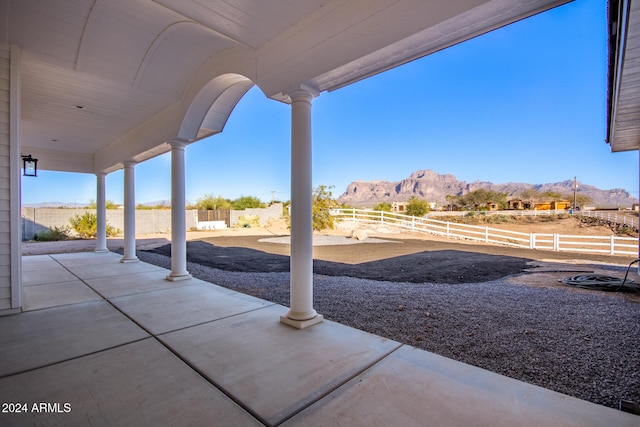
104 81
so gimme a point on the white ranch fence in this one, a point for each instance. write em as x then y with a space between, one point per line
609 245
613 217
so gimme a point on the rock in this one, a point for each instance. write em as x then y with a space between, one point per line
358 234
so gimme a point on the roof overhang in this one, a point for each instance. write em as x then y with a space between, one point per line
623 81
108 81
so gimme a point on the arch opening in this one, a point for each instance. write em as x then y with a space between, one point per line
211 107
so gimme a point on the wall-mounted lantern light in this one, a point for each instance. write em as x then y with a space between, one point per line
30 166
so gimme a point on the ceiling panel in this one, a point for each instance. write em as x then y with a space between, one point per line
50 107
135 66
51 29
249 22
175 55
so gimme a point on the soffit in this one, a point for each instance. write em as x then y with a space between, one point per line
624 81
129 63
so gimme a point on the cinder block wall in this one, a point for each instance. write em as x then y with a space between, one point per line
265 214
148 221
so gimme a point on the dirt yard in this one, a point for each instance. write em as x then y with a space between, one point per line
398 257
499 308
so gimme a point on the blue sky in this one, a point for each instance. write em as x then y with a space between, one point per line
525 103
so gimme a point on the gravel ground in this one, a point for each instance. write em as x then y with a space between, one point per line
584 344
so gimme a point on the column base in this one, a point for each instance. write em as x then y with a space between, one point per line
101 251
178 277
301 324
129 259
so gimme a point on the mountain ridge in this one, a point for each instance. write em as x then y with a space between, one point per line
433 187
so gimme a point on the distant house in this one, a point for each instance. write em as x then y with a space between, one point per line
543 205
400 207
517 204
552 205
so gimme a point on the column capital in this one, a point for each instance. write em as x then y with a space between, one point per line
303 93
129 163
179 142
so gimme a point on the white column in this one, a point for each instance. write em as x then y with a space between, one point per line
301 313
178 209
129 213
101 213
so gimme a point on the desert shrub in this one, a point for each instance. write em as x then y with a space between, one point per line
53 234
209 202
86 226
323 202
383 206
246 202
417 207
248 221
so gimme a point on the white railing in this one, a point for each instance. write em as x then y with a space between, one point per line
610 245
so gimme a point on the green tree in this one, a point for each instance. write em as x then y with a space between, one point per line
452 200
553 195
322 203
383 206
530 195
481 198
417 207
211 203
246 202
581 200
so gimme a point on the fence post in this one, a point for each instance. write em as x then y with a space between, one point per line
556 242
486 234
532 240
353 214
413 223
448 229
613 243
381 217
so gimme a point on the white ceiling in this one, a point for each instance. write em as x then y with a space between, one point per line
104 81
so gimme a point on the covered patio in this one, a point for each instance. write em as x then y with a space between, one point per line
97 86
113 343
96 338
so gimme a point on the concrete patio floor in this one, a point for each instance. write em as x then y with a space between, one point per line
107 343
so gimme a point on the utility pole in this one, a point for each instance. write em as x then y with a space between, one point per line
575 189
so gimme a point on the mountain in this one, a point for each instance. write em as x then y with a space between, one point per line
55 205
433 187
